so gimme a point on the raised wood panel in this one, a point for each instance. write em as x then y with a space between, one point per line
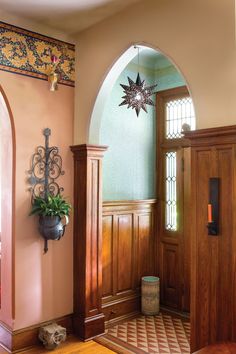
224 275
170 289
93 253
186 245
213 300
204 164
145 242
128 254
107 256
125 254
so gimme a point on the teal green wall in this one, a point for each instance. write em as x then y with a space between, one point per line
129 163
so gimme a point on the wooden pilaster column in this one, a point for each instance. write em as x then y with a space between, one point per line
88 316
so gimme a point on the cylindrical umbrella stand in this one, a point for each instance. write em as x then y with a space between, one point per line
150 295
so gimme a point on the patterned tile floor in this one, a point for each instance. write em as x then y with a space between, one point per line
163 333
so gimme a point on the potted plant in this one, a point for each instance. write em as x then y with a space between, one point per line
51 210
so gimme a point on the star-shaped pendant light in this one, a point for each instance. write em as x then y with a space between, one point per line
137 95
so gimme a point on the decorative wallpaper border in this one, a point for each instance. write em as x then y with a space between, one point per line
29 53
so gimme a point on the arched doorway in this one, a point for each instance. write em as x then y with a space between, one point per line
7 163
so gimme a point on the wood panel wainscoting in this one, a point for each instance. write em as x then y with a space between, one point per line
128 253
213 261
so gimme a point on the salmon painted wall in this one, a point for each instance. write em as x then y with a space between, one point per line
7 163
198 36
43 282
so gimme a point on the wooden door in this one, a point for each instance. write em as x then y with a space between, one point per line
174 108
171 228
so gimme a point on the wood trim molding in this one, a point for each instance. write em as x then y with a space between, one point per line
22 339
126 205
83 150
128 202
217 136
88 316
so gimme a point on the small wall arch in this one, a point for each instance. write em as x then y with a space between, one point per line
7 183
108 82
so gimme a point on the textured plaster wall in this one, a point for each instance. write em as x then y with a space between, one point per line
129 163
42 282
198 36
128 168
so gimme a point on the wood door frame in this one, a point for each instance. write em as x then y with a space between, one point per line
180 144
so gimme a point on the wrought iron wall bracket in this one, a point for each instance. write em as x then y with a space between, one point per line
46 167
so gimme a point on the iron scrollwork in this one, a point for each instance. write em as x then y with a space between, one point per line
46 167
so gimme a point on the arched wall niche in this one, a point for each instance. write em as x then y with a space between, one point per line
110 78
129 166
7 168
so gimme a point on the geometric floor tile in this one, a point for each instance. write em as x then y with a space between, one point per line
163 333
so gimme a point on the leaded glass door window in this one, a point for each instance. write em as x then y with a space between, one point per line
171 191
179 112
178 116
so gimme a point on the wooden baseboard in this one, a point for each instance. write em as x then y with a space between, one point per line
118 320
121 308
168 310
5 337
87 328
25 338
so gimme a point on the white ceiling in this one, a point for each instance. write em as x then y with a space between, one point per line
70 16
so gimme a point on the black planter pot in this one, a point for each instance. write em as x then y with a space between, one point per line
51 228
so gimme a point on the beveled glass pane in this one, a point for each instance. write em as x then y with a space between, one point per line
178 112
171 192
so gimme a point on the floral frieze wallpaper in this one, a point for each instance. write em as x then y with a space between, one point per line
28 53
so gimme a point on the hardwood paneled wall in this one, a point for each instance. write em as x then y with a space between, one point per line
213 301
128 253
